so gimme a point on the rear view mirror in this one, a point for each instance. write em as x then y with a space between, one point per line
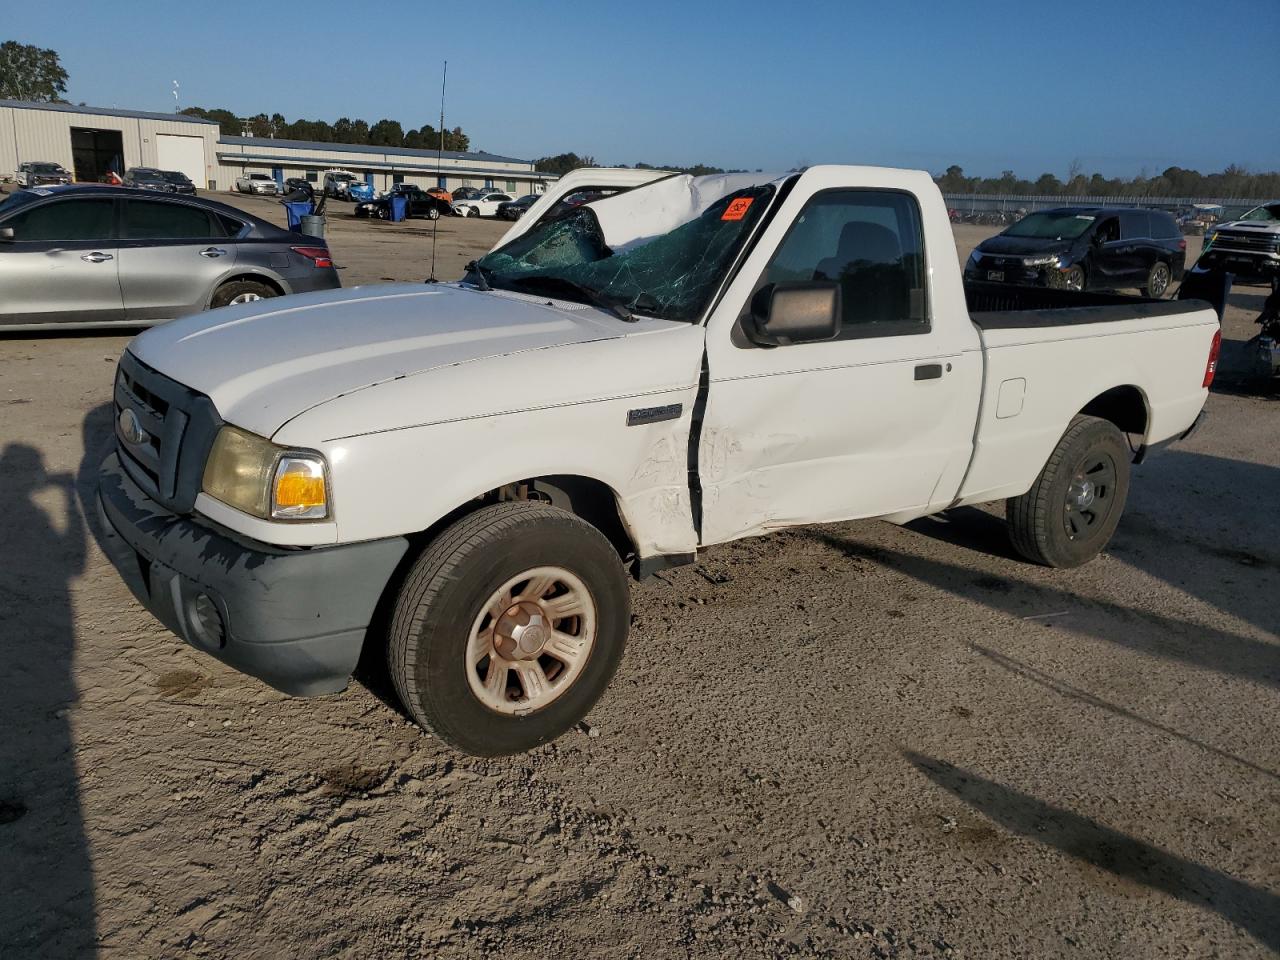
787 313
6 233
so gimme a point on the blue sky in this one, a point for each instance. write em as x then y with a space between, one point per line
1124 86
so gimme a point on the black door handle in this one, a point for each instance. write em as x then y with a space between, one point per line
929 371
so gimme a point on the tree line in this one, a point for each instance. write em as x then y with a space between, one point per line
383 133
1234 181
562 163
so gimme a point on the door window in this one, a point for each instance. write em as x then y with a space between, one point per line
65 220
872 244
1108 230
150 220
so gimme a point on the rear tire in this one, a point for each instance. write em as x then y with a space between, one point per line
241 291
1071 511
433 214
1158 280
495 559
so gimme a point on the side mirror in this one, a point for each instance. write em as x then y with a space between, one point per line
787 313
6 233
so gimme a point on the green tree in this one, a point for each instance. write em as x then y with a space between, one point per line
30 73
386 133
562 163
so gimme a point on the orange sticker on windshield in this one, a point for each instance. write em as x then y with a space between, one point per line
737 209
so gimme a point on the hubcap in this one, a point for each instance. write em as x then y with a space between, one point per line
1075 279
531 641
1090 496
246 298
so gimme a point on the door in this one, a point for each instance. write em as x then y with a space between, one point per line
277 174
182 153
172 255
1136 248
61 266
1109 266
876 423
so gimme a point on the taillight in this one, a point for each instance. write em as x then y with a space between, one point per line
319 256
1211 367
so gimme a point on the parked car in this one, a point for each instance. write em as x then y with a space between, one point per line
100 255
146 178
553 440
36 173
299 183
515 209
442 193
485 205
178 182
467 193
420 204
345 185
257 183
1085 248
1248 247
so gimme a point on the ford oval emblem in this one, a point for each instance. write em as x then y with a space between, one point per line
131 428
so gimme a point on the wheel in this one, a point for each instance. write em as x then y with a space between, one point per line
508 628
1158 280
1073 278
384 213
1072 509
241 291
433 213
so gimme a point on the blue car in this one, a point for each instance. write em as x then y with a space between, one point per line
359 191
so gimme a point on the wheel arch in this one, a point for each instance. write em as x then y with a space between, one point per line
1126 406
251 276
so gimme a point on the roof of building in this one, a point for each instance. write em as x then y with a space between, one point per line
363 148
103 111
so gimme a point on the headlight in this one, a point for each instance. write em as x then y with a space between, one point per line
259 478
1042 261
975 257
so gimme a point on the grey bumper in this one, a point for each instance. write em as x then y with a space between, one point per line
295 619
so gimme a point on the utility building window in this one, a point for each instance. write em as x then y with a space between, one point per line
872 244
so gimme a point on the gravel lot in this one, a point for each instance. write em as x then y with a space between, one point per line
857 740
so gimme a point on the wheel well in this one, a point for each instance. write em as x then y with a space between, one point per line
255 278
1124 406
588 498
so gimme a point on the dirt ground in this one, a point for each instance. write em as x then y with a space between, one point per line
857 740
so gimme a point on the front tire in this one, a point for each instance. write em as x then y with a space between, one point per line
1073 278
508 628
1071 511
1158 280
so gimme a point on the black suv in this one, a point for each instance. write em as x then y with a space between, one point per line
1085 248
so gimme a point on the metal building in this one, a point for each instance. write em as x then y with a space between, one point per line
90 141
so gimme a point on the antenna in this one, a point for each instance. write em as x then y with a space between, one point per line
435 224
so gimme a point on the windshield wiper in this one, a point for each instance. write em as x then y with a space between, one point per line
482 281
591 296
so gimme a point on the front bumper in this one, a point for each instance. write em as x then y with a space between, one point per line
295 619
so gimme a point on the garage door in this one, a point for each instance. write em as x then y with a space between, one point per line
184 154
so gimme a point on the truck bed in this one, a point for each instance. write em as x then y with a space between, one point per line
998 306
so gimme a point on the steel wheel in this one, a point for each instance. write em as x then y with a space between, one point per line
1090 495
531 641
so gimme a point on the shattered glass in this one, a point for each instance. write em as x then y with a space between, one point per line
671 276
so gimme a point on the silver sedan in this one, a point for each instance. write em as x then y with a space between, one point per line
95 256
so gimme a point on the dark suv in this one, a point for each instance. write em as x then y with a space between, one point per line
1085 248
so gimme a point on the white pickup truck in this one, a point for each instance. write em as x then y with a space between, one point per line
463 473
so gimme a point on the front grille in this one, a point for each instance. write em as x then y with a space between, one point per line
178 426
1239 240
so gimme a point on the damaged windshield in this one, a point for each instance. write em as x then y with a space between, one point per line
671 276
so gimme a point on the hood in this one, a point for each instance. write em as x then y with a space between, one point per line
264 363
1249 226
1023 246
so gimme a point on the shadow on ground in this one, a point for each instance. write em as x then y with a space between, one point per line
1253 909
47 908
